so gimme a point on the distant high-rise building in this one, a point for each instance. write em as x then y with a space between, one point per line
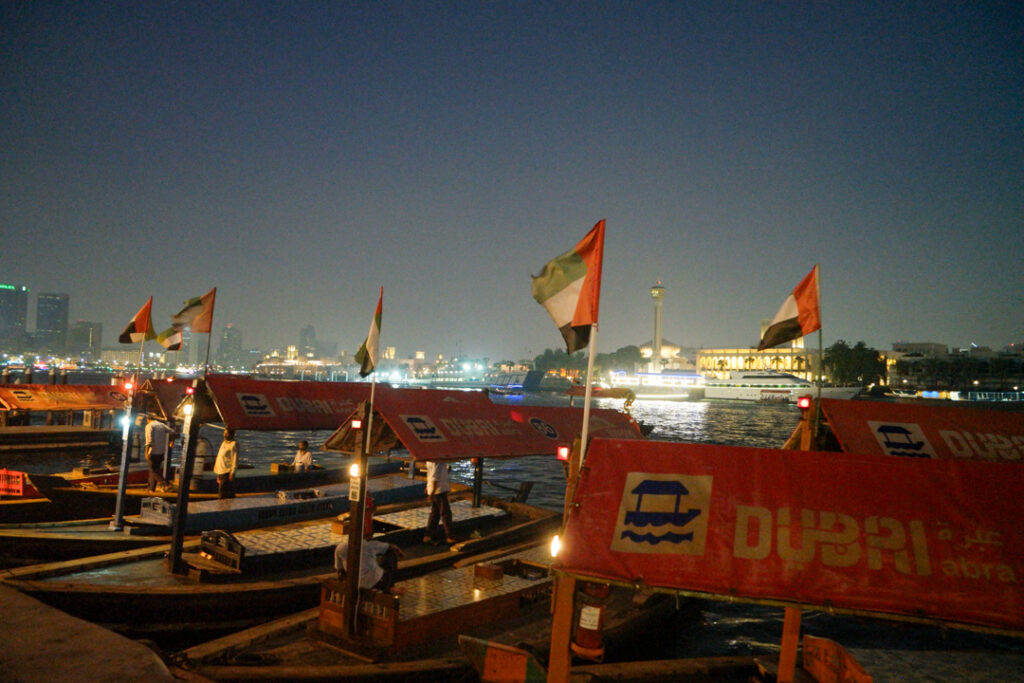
85 340
52 322
13 316
229 351
307 342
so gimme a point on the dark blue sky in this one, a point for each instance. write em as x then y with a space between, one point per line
299 155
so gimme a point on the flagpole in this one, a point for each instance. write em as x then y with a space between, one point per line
209 338
587 396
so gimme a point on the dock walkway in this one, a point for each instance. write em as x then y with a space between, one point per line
40 643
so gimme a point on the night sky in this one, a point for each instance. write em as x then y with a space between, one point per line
298 155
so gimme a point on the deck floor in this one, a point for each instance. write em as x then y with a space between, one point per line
263 542
451 588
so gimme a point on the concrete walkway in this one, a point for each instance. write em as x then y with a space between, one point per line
40 643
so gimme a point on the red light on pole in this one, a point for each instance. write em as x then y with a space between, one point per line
803 403
357 423
189 391
562 453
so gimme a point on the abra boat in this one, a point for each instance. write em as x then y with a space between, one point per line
87 500
503 597
238 580
770 386
22 544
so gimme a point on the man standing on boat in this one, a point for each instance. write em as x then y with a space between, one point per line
224 467
438 487
158 439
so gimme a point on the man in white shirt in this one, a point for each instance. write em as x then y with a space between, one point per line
438 486
158 439
303 458
378 562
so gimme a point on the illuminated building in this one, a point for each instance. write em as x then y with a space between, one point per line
52 323
13 316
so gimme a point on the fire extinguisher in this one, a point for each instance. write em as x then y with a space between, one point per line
588 640
368 516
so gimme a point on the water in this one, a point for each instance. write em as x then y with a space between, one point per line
719 628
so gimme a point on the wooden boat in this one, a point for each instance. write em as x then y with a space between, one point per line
504 596
266 573
22 544
83 500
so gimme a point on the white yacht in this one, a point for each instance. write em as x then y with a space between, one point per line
669 385
766 385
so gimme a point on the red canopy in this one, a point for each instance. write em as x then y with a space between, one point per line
939 539
271 404
924 430
62 397
452 425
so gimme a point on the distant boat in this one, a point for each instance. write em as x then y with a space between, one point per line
770 386
665 386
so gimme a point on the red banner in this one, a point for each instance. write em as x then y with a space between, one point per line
928 431
269 404
940 539
62 397
451 425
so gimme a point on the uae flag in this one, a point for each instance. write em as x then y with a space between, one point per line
569 288
369 352
197 314
170 339
799 315
141 326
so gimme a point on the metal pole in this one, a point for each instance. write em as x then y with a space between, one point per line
357 504
478 481
126 449
188 457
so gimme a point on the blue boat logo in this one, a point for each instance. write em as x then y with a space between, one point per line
543 428
663 513
902 438
255 405
423 428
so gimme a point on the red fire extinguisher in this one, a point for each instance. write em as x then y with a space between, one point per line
588 640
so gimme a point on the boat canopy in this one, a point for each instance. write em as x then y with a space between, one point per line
162 396
454 425
273 404
62 397
913 538
931 431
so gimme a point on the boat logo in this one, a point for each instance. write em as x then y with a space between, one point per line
423 428
118 396
23 396
902 438
663 514
255 405
543 428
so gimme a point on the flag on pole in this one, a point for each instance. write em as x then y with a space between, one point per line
800 314
569 287
369 352
141 326
197 314
170 338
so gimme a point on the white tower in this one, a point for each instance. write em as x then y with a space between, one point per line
657 293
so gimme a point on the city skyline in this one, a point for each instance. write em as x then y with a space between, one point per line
299 156
300 337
